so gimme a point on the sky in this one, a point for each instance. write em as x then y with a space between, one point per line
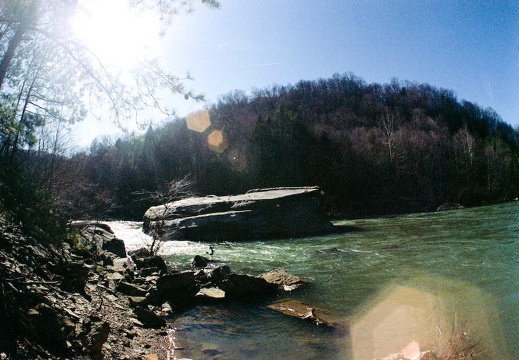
470 47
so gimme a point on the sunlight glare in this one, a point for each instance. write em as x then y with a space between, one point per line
217 142
118 35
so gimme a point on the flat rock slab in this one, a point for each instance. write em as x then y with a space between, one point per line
299 310
257 214
211 204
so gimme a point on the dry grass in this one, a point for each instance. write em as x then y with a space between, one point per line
463 343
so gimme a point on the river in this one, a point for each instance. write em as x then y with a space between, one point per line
398 281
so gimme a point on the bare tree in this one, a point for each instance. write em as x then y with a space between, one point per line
175 190
116 93
389 129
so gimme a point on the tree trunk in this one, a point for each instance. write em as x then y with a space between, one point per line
26 20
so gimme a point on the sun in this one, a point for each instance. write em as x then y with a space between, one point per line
115 33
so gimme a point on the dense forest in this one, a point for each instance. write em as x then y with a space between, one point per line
373 149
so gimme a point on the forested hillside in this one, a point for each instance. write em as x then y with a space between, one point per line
374 149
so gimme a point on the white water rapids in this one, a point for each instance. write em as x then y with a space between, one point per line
134 238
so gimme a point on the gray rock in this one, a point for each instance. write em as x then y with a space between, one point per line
283 279
241 286
106 259
211 294
154 297
115 276
75 276
218 274
141 252
100 237
257 214
49 326
155 262
137 301
166 310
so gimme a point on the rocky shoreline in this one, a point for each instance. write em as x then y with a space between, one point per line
87 299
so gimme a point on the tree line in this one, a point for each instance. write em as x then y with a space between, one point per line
372 148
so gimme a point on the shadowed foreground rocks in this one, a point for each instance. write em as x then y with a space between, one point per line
82 300
257 214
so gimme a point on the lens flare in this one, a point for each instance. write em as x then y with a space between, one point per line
217 142
238 161
198 121
435 314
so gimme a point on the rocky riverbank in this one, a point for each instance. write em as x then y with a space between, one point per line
86 299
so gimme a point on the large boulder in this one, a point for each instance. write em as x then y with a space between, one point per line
257 214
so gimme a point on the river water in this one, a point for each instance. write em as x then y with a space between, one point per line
400 283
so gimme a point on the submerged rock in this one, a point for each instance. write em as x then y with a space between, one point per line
299 310
257 214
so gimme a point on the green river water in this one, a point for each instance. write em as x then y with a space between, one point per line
433 273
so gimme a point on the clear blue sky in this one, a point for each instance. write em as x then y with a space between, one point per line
469 46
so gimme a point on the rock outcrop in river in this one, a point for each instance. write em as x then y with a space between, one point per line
257 214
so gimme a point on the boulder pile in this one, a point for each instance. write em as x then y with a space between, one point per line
83 299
